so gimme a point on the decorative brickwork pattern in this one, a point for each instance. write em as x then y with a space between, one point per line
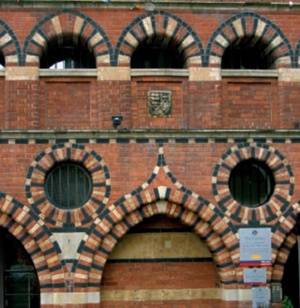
256 28
145 140
9 44
31 231
283 255
178 166
165 25
284 239
144 202
36 177
160 23
297 54
284 184
54 26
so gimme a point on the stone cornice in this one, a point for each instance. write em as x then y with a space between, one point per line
150 133
163 4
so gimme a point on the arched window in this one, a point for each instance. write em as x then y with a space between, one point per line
244 54
68 55
157 52
19 285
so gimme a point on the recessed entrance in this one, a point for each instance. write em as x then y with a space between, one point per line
160 262
19 285
290 280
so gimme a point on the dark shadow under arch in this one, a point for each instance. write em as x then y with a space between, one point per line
242 54
30 230
155 53
19 284
290 279
68 53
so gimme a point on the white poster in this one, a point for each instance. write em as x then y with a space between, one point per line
255 247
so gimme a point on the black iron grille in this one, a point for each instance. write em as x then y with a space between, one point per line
68 185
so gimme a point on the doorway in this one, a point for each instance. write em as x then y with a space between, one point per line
19 285
290 280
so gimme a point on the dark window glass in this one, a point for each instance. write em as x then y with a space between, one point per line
68 55
68 185
2 61
19 285
251 183
243 55
156 53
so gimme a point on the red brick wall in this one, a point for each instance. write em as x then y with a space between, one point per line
289 108
250 103
237 104
139 169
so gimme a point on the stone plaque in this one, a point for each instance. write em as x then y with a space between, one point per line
159 104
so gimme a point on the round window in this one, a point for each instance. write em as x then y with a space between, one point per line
251 183
68 185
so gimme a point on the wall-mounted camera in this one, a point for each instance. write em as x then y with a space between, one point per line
116 121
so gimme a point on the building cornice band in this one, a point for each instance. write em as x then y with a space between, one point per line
164 4
153 133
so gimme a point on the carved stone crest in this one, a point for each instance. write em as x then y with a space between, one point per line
159 104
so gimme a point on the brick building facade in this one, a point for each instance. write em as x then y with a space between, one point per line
159 223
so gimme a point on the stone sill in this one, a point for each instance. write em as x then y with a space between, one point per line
68 73
250 73
93 72
154 73
159 72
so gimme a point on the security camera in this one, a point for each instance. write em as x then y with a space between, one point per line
116 120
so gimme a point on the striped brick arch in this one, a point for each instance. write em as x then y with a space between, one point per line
257 29
101 240
9 44
164 25
67 22
44 251
282 257
284 184
35 182
297 54
144 202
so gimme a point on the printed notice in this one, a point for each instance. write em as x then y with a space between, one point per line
261 297
255 275
255 247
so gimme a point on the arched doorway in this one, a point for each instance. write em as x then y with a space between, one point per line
160 262
290 280
19 285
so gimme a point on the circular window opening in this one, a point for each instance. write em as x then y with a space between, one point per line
68 185
251 183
